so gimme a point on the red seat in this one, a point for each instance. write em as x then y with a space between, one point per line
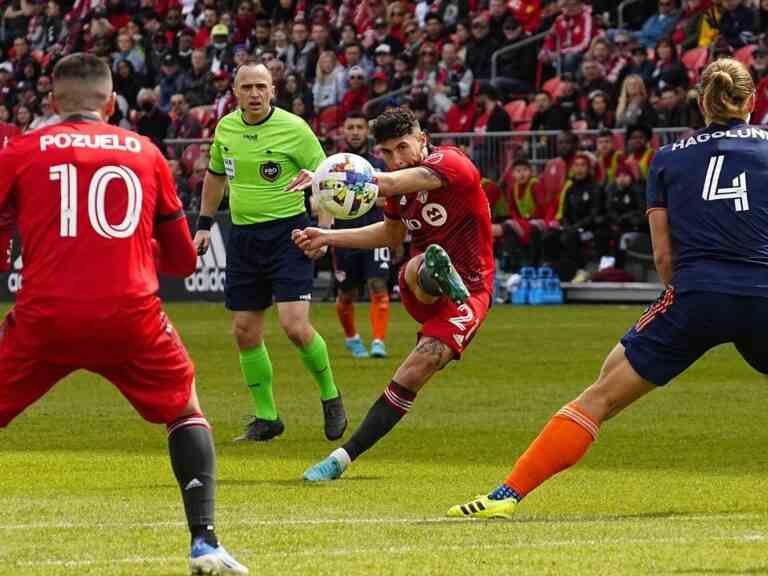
552 87
328 119
188 157
695 59
744 55
530 112
516 110
552 178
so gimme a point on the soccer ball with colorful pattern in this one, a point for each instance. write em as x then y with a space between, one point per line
345 186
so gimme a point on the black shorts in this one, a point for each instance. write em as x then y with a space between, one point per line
263 264
353 267
678 329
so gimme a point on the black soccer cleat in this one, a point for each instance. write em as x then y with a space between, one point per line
335 418
260 430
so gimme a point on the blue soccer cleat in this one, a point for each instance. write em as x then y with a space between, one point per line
356 346
205 559
328 469
378 350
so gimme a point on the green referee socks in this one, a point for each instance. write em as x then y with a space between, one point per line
257 371
315 358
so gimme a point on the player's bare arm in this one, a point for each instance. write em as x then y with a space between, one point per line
213 192
387 233
408 181
662 244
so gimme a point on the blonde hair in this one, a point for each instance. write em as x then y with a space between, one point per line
623 104
725 87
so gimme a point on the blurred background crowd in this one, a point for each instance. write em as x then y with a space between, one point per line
601 83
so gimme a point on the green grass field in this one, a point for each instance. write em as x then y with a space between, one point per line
677 485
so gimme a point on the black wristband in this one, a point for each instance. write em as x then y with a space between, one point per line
204 222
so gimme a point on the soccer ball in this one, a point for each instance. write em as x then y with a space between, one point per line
344 186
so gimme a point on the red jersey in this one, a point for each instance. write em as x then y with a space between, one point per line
455 216
7 132
88 196
7 214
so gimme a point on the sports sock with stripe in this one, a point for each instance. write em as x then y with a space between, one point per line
379 315
257 371
563 441
387 411
315 358
194 464
345 310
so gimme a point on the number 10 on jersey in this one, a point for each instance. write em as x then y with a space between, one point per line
66 175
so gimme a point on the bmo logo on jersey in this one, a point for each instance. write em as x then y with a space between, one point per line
434 214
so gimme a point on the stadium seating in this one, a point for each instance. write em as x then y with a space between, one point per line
552 86
694 60
744 55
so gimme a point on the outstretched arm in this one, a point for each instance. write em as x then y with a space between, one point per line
408 181
387 233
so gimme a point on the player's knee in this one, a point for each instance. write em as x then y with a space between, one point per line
300 333
377 286
246 334
345 297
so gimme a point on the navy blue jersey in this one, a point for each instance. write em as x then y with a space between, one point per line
714 186
375 214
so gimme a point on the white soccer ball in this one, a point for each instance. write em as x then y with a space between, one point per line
345 186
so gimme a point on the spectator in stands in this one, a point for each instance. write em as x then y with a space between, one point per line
659 25
151 120
522 228
569 96
224 101
184 47
53 26
199 80
46 117
183 189
277 70
461 116
126 83
498 12
20 56
403 75
5 114
625 202
549 115
581 213
593 78
356 96
328 87
382 35
567 148
203 36
184 124
384 61
759 66
633 106
710 25
491 117
599 112
669 71
608 158
516 68
570 37
296 88
262 35
434 33
126 50
672 108
220 52
172 81
413 37
639 64
7 90
762 17
24 117
322 42
688 27
480 50
737 25
280 43
462 38
639 150
451 75
297 55
283 12
605 54
425 70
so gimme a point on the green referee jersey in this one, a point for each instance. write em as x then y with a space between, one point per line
260 160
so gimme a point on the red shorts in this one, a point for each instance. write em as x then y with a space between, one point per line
157 380
453 324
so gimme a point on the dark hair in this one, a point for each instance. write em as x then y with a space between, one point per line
81 66
605 133
644 128
356 115
521 161
394 123
489 90
433 16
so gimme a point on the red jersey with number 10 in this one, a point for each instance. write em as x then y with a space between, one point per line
455 216
87 197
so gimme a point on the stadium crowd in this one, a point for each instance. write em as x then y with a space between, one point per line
173 64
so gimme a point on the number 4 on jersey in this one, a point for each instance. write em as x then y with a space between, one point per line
737 192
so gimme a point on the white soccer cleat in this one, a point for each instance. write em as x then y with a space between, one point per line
206 560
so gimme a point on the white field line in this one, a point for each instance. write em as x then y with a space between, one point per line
405 549
372 521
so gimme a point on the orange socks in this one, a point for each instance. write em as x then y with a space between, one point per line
346 313
379 315
562 443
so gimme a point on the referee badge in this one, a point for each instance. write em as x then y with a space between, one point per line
270 171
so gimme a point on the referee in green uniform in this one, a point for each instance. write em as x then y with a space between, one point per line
259 149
